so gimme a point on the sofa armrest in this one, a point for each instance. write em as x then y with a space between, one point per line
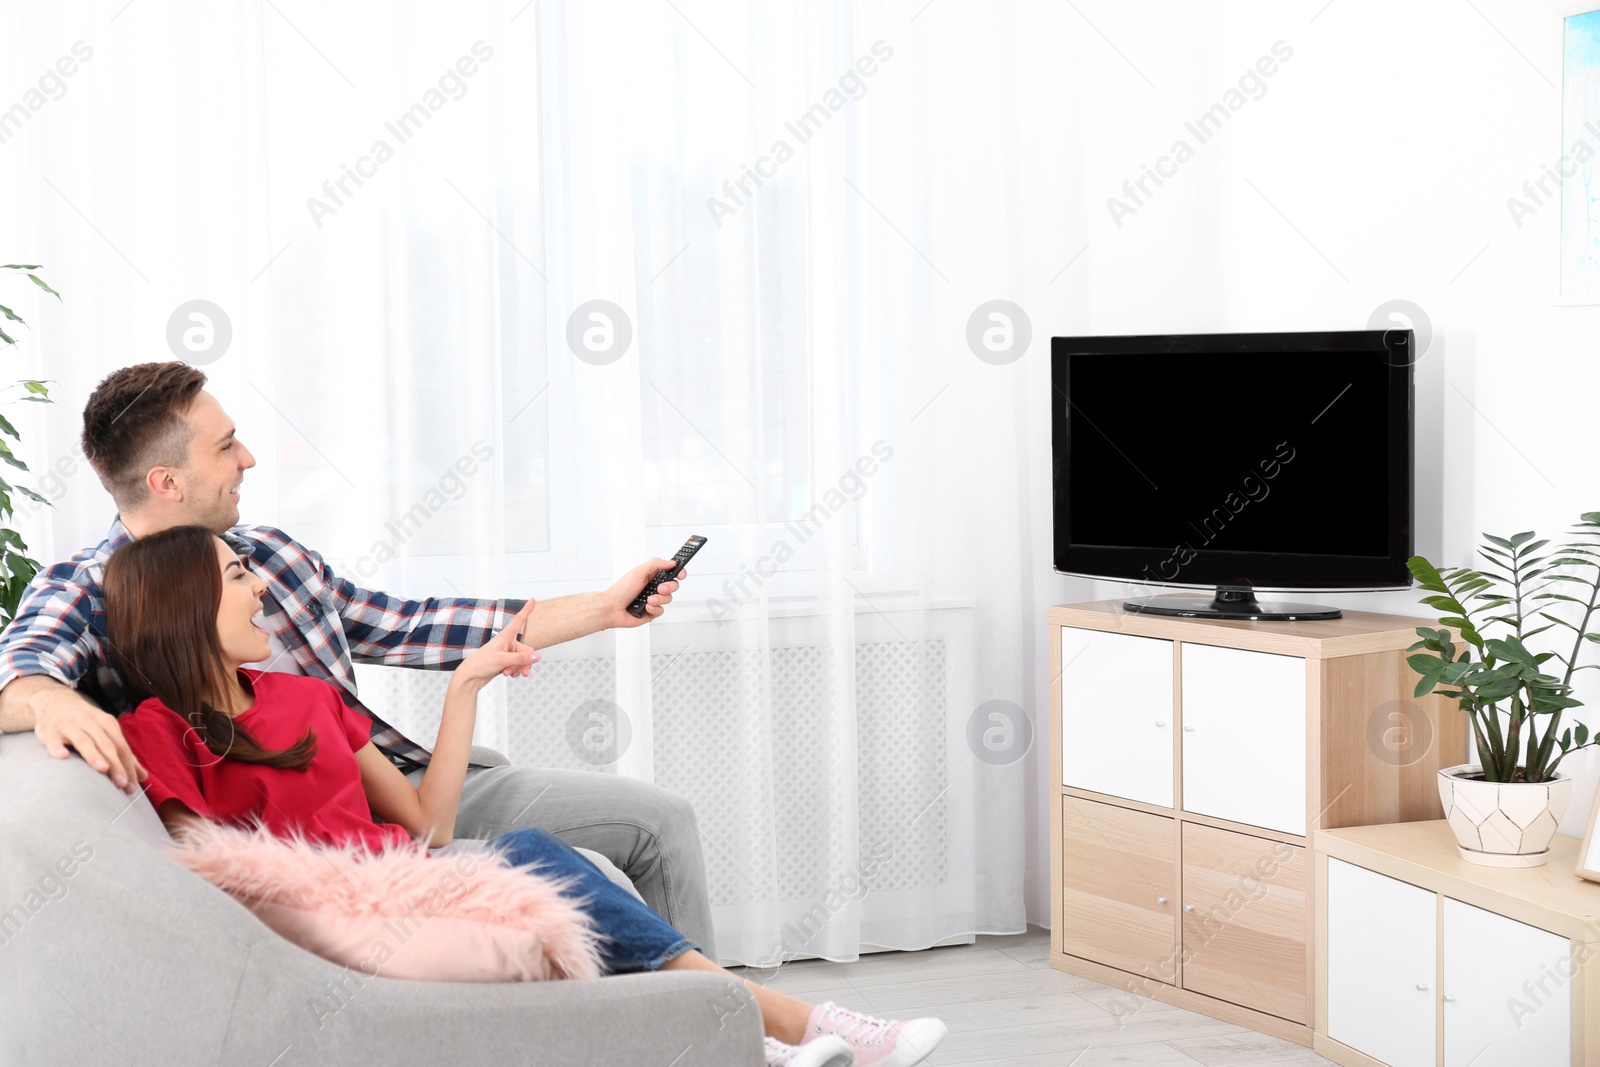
484 756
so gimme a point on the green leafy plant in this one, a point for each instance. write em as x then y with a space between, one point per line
1514 705
17 568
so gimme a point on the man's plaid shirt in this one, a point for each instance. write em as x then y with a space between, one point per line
324 622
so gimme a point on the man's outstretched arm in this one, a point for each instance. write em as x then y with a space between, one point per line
564 618
438 632
567 618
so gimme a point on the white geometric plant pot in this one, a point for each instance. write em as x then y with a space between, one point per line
1502 824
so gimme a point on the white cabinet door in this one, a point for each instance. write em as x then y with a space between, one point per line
1116 715
1244 736
1507 997
1382 954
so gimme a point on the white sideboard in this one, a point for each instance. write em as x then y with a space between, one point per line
1431 961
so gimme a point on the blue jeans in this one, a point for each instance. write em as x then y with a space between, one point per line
633 938
649 833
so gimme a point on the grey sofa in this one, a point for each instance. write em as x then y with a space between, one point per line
112 953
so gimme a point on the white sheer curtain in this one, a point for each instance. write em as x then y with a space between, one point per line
399 208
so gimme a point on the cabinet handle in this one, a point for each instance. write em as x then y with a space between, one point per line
1160 723
1422 987
1161 900
1188 729
1188 907
1448 999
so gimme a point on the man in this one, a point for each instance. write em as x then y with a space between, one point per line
166 451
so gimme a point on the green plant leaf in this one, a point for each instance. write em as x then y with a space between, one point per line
1493 692
40 282
1426 683
1426 574
1560 596
38 388
1509 648
1502 672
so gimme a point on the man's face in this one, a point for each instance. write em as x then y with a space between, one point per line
214 467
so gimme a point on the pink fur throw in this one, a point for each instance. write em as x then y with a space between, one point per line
401 913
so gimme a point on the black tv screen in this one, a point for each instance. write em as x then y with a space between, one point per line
1267 461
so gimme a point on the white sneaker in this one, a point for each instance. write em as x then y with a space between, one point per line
875 1042
821 1052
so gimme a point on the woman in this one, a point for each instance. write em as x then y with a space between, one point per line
239 746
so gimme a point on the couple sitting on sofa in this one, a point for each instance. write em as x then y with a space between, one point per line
162 614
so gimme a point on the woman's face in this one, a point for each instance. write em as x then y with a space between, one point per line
242 640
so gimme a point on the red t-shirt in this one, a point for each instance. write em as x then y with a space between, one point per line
324 800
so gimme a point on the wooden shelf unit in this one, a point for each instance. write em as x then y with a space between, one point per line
1210 906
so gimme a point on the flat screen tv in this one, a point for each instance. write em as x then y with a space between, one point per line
1234 462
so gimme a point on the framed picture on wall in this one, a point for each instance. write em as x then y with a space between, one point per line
1589 853
1580 163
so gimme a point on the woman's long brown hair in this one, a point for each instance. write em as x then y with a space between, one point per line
161 595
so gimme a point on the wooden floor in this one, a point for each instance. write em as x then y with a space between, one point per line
1006 1007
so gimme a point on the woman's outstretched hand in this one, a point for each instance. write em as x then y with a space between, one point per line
503 654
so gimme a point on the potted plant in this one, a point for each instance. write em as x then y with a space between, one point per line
17 568
1504 809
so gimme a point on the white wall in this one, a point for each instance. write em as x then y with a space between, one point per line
1390 141
1375 166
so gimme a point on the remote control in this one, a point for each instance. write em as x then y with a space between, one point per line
685 554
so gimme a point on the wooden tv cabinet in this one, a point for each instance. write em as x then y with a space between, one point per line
1191 764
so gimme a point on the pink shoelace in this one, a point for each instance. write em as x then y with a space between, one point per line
855 1027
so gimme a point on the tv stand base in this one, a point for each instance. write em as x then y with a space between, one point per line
1230 603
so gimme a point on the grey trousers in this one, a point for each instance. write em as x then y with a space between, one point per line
649 833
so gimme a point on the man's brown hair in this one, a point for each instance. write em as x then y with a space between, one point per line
134 420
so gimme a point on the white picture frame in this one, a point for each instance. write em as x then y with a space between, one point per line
1578 274
1589 850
